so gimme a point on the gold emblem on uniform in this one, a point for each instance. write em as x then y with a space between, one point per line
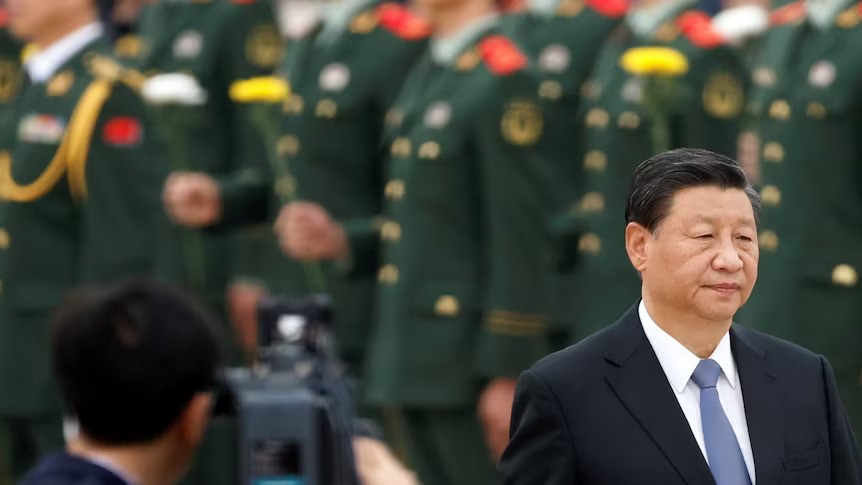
447 306
390 231
4 239
394 190
429 150
849 18
364 22
60 84
468 60
822 74
388 274
768 240
569 8
550 90
334 77
293 104
128 46
10 77
773 152
763 77
263 46
288 145
723 96
770 195
596 161
438 115
597 118
326 108
522 123
555 58
629 120
590 203
779 110
401 148
589 243
815 110
844 275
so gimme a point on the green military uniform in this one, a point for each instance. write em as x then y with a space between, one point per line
554 33
343 76
10 66
462 246
218 42
79 183
617 117
808 104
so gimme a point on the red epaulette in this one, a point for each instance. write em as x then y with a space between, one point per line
405 24
786 14
501 55
697 27
610 8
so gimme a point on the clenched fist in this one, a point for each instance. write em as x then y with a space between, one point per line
192 199
306 232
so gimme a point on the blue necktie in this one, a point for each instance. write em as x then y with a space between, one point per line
722 449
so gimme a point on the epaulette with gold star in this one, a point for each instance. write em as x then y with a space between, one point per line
697 27
501 55
787 14
402 22
610 8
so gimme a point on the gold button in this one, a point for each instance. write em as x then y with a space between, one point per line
394 190
288 145
550 90
390 231
770 195
590 243
816 110
388 274
293 104
768 240
4 239
591 203
779 109
401 148
447 306
326 108
285 186
394 117
596 161
844 275
597 118
629 120
773 152
429 150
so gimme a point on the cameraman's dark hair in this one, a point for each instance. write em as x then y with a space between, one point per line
130 358
659 178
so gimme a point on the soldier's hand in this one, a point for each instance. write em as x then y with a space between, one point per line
495 413
192 199
306 232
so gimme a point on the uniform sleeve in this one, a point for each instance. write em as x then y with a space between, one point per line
846 463
124 171
539 451
515 173
246 196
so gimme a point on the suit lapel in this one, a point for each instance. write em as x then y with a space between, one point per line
760 396
640 383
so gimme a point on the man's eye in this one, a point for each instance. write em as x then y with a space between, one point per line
744 238
705 236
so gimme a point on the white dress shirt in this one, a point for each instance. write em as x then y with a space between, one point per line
679 363
45 63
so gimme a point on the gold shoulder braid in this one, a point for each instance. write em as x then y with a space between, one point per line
71 155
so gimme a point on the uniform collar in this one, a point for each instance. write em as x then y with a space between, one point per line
646 20
445 50
677 361
544 8
337 15
821 13
42 65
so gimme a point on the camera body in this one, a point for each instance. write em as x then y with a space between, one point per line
293 410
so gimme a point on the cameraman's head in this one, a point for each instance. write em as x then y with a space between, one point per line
137 364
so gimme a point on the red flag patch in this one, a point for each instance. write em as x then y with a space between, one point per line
123 131
399 20
697 27
501 55
610 8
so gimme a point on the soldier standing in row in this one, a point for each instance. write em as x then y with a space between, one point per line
807 101
460 248
618 115
79 184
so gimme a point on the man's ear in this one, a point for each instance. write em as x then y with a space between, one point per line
195 418
637 237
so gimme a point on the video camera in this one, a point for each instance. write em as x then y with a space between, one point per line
293 410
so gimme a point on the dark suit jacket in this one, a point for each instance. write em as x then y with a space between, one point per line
602 412
65 469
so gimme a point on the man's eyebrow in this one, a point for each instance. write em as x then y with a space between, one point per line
741 220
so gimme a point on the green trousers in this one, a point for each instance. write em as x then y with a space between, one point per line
23 441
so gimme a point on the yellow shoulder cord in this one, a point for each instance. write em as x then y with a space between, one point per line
71 154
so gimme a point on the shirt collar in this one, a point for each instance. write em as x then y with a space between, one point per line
677 361
42 65
446 49
821 13
337 15
545 8
107 464
645 21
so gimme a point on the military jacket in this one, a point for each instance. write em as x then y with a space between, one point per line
218 42
10 65
79 184
462 242
807 101
704 112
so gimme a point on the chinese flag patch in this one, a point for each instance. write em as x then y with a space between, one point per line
501 55
122 131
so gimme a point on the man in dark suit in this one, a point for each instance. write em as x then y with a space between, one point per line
674 393
136 365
